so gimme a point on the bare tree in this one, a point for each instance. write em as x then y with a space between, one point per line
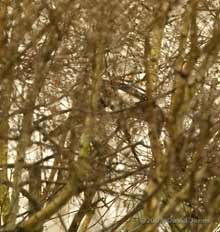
112 109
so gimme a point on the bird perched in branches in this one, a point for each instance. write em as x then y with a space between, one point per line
139 110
